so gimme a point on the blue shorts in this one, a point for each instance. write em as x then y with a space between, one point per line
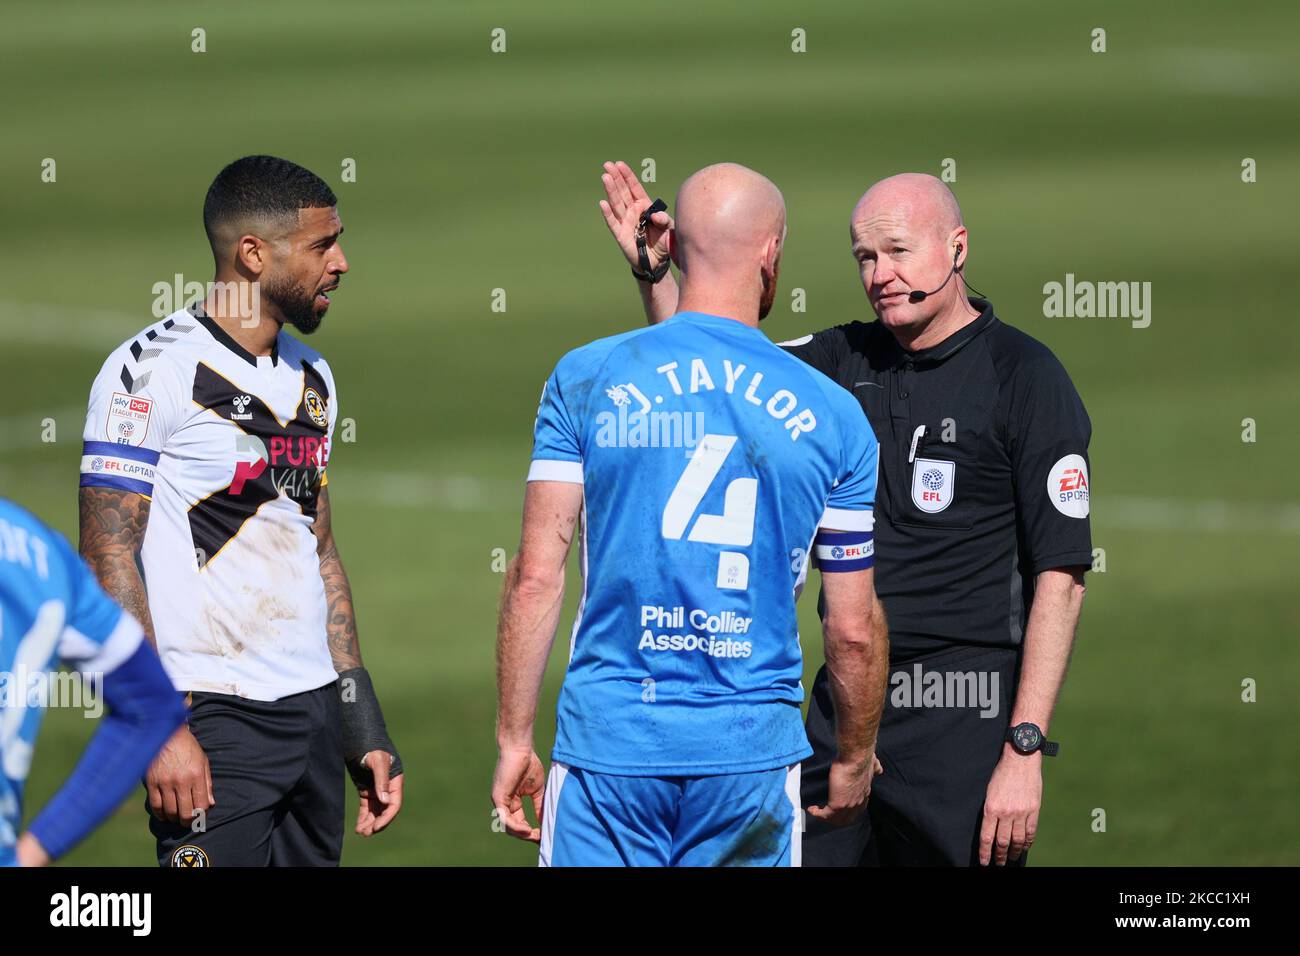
600 819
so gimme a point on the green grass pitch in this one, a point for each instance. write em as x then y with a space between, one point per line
479 171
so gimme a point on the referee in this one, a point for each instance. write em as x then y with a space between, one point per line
981 527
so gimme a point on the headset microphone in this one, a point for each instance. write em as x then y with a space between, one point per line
915 297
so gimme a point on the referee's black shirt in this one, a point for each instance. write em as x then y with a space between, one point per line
995 490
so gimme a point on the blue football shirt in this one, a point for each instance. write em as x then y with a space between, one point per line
708 458
51 609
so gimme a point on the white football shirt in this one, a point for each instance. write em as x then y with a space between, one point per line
231 448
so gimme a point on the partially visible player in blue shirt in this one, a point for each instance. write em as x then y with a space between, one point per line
708 466
52 609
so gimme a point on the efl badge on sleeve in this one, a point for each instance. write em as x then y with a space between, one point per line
932 484
128 419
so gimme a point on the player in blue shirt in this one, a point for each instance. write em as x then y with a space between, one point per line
52 609
704 462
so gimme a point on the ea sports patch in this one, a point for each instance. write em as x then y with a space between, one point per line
932 484
1067 486
315 406
189 856
128 419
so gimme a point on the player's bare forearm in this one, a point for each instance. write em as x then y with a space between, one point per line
112 526
531 599
1049 639
660 299
857 661
340 615
530 614
857 666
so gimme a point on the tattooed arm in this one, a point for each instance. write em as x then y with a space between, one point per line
341 619
112 533
113 522
368 752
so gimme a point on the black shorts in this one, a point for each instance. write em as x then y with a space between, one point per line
277 778
927 807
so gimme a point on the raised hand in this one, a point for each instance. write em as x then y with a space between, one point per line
625 200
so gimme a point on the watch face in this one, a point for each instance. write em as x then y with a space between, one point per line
1026 737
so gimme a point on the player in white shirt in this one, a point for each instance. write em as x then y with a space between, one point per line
205 451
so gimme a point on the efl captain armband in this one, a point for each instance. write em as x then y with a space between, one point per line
844 550
363 726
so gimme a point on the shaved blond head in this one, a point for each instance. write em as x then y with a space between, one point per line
726 214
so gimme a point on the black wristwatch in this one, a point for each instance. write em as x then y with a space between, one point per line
1026 738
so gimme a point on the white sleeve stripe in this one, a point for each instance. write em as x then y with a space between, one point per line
88 657
847 553
111 466
838 519
550 470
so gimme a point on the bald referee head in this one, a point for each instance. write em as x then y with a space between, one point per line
909 238
727 241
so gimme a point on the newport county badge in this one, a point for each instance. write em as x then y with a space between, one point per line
932 483
189 856
315 406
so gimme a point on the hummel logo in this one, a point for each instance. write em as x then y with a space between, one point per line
241 402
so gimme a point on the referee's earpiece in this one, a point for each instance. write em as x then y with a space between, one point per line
919 296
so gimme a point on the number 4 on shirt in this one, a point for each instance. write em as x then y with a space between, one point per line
735 526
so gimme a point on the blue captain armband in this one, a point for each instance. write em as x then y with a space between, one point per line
105 464
844 550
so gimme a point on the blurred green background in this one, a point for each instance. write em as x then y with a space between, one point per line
478 171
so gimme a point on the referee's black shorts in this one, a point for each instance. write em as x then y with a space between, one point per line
277 778
927 806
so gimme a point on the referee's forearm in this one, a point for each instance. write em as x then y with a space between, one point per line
1049 639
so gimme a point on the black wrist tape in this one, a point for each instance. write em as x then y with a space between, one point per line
363 726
